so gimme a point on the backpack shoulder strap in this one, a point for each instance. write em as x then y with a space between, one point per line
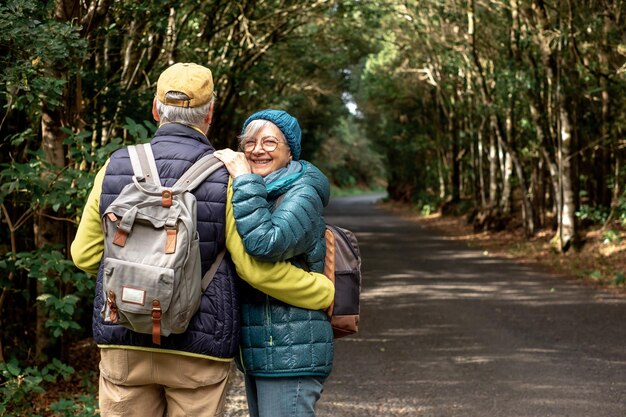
197 173
144 166
329 261
208 275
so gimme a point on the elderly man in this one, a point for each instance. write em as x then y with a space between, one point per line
184 374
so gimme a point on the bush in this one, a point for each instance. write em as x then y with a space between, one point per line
19 386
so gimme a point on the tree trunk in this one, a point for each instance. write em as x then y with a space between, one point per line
604 197
504 167
551 58
493 168
513 161
566 232
554 181
453 132
507 173
539 197
615 192
528 214
479 169
48 232
440 174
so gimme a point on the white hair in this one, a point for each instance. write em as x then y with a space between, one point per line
253 128
193 116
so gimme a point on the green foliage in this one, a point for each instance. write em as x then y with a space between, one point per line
596 275
81 403
36 182
141 132
397 112
63 286
83 406
35 51
348 157
441 86
427 209
610 237
19 385
35 186
621 210
427 203
594 215
31 189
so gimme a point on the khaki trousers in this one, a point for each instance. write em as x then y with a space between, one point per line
147 384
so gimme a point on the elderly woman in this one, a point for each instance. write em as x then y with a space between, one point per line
278 201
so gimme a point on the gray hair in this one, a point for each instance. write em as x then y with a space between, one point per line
193 116
253 128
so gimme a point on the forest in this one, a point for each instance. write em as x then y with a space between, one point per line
505 111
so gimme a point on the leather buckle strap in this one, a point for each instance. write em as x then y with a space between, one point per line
156 322
170 240
120 237
112 306
329 263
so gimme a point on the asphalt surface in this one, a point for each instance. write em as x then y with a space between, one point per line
447 331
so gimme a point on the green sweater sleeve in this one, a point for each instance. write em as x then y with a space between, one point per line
88 245
280 280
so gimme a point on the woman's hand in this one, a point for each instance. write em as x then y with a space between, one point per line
235 162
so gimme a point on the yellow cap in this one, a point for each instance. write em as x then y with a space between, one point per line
193 80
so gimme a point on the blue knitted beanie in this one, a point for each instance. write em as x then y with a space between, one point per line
286 123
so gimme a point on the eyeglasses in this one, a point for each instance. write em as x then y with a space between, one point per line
268 143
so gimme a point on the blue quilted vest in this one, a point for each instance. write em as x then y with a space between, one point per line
215 328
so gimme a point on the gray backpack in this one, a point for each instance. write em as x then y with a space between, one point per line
152 279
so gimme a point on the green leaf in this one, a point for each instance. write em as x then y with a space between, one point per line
596 275
13 369
33 380
44 297
63 405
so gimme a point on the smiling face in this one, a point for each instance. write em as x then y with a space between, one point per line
258 149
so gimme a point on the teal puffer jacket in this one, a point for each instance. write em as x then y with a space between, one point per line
279 339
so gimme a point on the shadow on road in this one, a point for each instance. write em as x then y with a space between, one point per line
448 331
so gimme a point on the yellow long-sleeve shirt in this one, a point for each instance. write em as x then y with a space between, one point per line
280 280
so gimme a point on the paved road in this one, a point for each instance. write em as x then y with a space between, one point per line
449 332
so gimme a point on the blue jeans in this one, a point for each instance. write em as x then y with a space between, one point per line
283 397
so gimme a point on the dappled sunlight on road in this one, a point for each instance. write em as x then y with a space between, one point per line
448 331
383 407
523 293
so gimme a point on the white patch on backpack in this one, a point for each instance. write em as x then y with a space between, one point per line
133 295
